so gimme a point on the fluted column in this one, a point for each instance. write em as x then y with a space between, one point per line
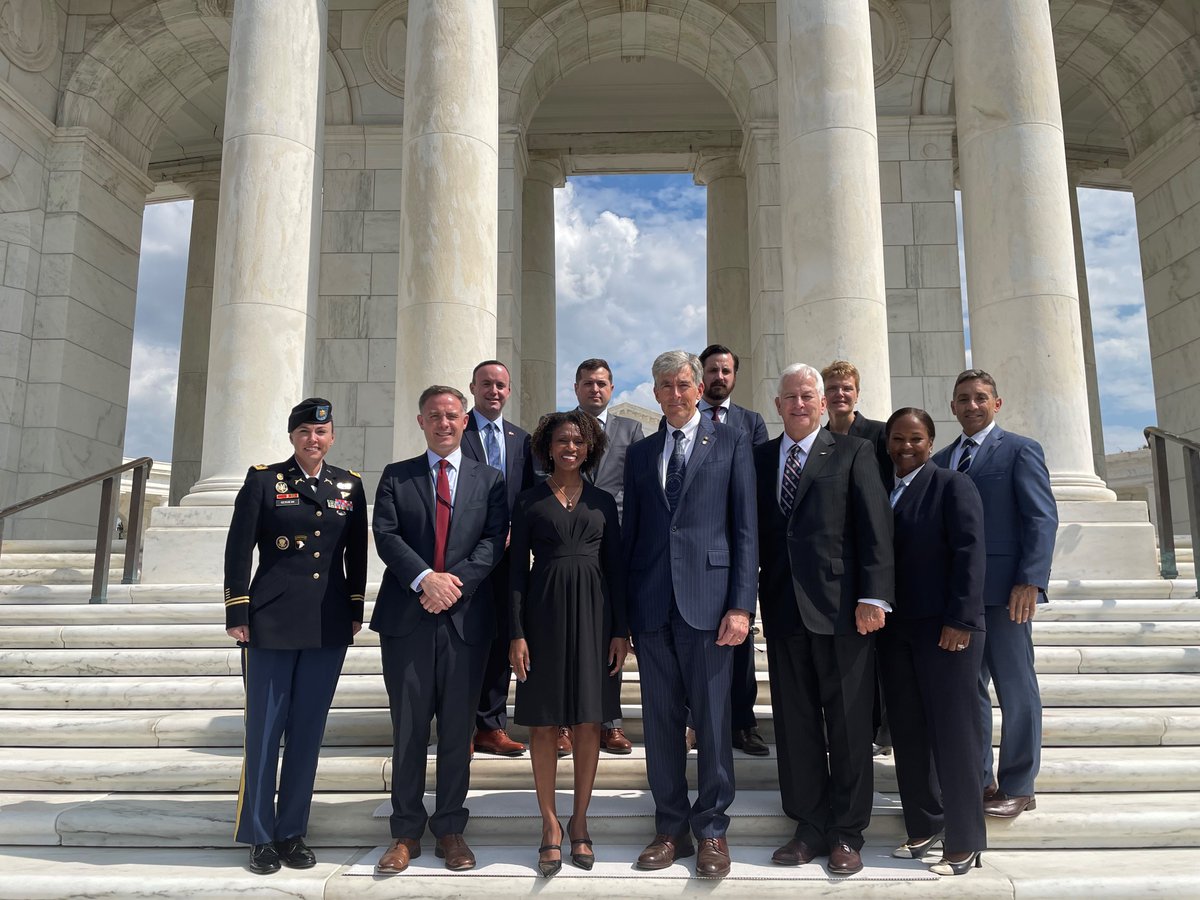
728 291
446 301
264 290
538 320
1095 419
1021 279
192 384
835 305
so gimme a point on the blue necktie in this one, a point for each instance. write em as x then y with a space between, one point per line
675 469
791 480
964 461
896 492
491 446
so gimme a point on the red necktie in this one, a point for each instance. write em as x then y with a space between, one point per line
442 519
716 411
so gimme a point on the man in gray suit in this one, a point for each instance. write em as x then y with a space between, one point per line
594 390
720 366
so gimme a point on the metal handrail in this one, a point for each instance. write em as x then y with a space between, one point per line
109 496
1157 440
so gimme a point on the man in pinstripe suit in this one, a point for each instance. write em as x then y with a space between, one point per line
691 553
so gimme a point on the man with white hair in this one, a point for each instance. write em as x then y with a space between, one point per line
826 582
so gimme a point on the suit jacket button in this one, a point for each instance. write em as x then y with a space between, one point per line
318 514
317 555
316 575
316 534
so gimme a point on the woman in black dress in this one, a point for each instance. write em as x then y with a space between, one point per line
931 651
568 620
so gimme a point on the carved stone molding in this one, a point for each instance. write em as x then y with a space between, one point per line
384 42
889 39
29 32
218 9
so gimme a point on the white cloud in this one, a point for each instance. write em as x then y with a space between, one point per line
154 372
630 278
1123 437
166 229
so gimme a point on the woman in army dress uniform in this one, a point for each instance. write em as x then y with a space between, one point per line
293 621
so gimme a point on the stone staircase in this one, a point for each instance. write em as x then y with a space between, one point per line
120 751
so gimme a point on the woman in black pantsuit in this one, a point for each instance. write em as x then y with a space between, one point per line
931 651
567 618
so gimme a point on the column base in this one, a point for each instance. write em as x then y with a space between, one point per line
216 490
1085 486
1104 540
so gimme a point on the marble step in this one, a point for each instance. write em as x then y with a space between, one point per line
208 874
1064 769
365 660
34 560
1062 727
65 575
192 631
225 692
615 817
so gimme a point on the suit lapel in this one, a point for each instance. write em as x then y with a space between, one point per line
657 442
468 476
512 455
423 483
472 442
705 438
768 489
822 449
916 490
986 452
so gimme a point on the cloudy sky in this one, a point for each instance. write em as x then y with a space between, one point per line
631 282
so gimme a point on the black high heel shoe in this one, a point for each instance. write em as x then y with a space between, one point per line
918 849
583 861
946 867
551 867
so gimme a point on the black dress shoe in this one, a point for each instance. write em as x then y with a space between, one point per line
748 740
294 853
264 859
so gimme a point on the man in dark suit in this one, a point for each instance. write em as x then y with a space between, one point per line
691 554
827 579
440 524
720 365
1020 523
505 447
593 391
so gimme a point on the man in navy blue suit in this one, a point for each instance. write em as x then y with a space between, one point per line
1020 523
720 366
691 556
503 445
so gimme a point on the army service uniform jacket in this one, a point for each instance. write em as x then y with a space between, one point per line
312 557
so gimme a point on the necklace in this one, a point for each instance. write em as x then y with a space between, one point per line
561 492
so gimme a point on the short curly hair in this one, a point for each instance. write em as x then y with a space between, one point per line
589 429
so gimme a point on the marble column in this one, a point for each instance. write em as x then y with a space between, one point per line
192 383
835 304
538 324
1021 280
446 301
728 300
268 240
1095 419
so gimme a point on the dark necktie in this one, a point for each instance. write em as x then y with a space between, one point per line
312 482
964 461
491 446
791 480
442 518
716 413
675 470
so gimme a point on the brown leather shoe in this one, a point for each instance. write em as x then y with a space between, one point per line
795 853
664 850
713 859
398 856
613 740
1002 806
565 744
844 860
497 743
991 792
453 848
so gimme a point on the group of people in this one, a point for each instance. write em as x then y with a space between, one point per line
555 555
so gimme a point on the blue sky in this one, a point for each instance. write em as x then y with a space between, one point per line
630 261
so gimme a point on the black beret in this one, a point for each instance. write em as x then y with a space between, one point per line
314 410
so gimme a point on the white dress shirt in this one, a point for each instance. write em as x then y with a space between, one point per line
482 422
706 409
455 460
689 442
978 437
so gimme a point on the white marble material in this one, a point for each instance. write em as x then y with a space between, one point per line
1022 290
1095 419
834 303
192 384
728 258
264 291
538 316
446 304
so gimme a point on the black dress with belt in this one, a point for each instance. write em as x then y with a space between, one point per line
568 607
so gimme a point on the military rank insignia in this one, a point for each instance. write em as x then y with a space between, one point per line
282 543
342 506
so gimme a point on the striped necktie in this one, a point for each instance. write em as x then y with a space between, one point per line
676 467
791 480
964 461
